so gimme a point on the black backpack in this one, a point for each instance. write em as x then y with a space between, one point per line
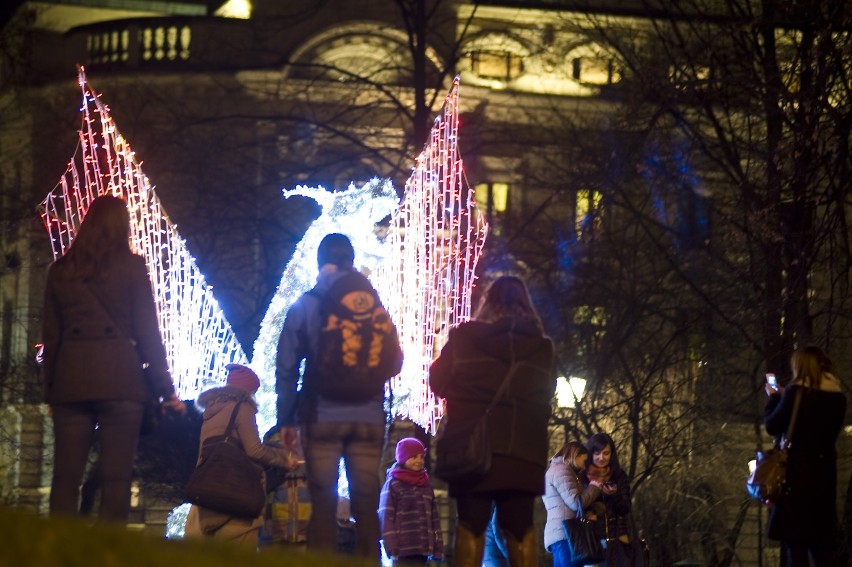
358 344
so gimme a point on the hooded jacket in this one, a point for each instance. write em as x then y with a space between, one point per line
469 372
218 403
299 341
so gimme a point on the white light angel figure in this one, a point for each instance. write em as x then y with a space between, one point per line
354 212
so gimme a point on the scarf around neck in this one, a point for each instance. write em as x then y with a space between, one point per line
600 474
417 478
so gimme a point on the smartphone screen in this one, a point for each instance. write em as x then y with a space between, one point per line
770 379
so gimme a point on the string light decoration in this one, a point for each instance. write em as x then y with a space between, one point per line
433 245
199 340
353 212
423 268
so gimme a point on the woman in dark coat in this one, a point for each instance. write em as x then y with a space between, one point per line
612 508
92 369
506 331
804 519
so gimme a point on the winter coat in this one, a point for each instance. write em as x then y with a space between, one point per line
409 519
468 373
564 498
88 355
218 404
807 509
612 509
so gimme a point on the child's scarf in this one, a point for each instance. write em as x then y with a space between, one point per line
417 478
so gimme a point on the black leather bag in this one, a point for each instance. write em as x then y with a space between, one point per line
464 453
151 417
464 450
584 546
227 480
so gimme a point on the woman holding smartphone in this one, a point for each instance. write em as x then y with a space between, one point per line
612 507
804 519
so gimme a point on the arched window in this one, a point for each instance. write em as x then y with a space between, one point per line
358 52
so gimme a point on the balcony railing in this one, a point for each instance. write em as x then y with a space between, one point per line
137 42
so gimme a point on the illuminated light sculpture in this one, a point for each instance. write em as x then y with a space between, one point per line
353 212
423 268
198 339
433 245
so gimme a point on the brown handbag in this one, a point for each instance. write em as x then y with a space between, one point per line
766 482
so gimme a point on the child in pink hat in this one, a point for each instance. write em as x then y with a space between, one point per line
411 528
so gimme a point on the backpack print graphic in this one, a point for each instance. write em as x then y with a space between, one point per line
358 345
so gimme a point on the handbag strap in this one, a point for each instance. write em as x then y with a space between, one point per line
232 420
117 322
785 442
512 369
96 293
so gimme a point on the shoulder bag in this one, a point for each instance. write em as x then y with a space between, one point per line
464 451
584 547
153 406
227 480
766 481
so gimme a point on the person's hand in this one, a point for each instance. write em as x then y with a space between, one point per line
595 483
609 488
770 390
289 436
173 403
293 461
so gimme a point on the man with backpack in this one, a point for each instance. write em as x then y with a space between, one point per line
350 349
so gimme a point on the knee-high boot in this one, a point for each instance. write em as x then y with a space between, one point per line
468 549
523 553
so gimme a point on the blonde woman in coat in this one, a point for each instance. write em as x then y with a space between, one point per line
565 498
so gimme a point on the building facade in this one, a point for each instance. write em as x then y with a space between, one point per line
228 102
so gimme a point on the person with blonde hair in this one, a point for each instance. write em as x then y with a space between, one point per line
804 519
565 498
504 343
99 327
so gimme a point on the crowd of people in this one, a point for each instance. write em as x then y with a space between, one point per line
100 330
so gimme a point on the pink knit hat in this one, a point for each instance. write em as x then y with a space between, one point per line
409 447
242 377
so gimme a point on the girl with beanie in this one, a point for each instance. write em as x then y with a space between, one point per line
408 512
218 404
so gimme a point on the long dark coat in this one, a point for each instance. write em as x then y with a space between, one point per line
468 374
807 510
88 355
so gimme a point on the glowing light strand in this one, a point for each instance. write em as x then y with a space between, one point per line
199 341
434 243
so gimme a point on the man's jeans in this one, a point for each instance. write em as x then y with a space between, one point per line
360 445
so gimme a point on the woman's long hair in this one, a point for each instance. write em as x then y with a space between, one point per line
809 364
597 443
507 296
570 452
103 236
